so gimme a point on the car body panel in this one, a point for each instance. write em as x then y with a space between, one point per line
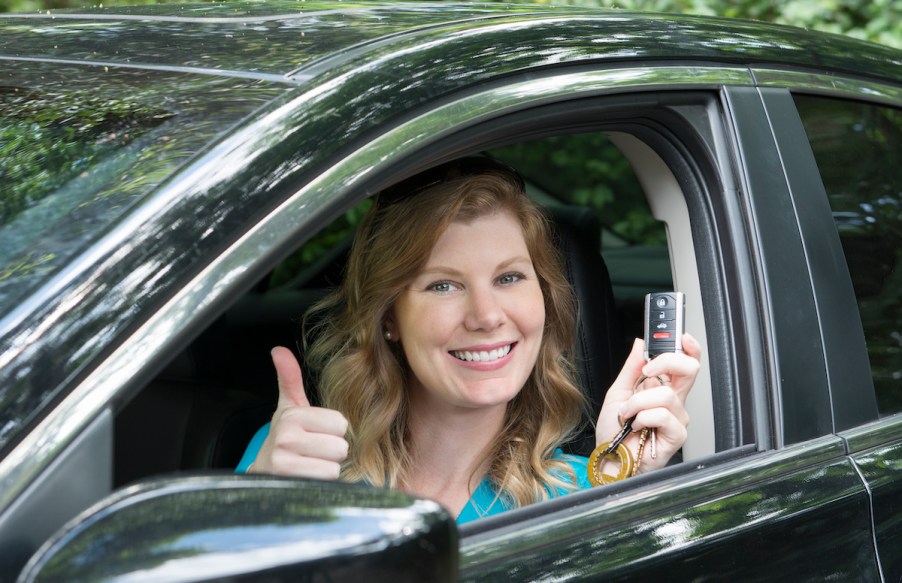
195 194
798 495
798 364
278 38
877 452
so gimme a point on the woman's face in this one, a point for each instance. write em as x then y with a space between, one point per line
471 321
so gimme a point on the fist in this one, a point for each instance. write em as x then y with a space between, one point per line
303 441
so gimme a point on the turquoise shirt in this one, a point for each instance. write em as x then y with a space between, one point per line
485 501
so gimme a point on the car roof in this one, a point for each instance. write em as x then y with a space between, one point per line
294 41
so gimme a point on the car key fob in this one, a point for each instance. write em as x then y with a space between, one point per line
664 323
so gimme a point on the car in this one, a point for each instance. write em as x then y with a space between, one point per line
178 183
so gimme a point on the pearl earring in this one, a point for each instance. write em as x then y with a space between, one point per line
387 334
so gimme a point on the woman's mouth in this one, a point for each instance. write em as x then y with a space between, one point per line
482 355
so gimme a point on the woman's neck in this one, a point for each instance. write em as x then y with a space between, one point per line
449 452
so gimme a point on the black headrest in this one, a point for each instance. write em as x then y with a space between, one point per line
598 355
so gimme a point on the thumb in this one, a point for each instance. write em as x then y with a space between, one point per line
291 383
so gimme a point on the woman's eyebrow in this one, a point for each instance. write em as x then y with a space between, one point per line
445 270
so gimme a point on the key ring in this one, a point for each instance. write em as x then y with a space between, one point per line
644 378
616 451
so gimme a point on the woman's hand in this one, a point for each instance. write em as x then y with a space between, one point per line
660 407
303 441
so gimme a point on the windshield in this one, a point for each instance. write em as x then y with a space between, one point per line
78 150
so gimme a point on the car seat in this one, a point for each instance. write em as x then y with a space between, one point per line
599 351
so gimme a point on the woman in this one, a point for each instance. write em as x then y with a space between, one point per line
444 357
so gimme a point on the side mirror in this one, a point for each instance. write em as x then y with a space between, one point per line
238 528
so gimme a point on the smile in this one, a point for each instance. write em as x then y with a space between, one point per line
482 355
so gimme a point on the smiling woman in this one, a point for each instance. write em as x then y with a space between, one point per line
445 356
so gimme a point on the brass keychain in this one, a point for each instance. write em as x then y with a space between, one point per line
616 451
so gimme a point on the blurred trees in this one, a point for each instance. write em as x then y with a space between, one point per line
875 20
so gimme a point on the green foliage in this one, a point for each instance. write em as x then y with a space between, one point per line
588 170
42 5
307 259
873 20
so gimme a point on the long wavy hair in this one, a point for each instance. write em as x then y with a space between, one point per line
366 378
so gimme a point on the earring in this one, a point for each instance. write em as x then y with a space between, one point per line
387 334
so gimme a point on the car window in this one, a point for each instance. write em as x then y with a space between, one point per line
858 148
582 170
232 355
588 170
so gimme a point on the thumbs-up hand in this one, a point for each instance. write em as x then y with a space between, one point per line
303 441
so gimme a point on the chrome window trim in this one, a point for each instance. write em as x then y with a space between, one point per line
59 428
882 431
829 85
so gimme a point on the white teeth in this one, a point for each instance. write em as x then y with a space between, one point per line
482 355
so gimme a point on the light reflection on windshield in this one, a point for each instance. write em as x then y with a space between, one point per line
77 151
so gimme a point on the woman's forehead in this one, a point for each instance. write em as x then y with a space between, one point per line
479 239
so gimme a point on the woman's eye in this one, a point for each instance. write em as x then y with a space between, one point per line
441 287
509 278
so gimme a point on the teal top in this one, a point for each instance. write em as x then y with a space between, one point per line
485 500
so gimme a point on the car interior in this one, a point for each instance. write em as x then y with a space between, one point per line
201 411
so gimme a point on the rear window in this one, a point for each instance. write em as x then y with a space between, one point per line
858 148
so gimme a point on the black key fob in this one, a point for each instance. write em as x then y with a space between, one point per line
665 314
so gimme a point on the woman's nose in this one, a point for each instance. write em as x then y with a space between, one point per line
484 311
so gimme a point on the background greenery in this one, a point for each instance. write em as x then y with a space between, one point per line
875 20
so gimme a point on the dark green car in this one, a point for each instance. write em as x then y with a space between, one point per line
179 183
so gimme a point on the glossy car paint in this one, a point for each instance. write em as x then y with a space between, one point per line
344 116
249 528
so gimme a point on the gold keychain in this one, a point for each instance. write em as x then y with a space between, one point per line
616 451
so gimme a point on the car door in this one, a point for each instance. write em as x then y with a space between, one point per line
853 198
769 487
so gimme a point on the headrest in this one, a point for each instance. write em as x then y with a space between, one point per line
598 356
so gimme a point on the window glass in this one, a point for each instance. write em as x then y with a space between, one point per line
79 148
858 148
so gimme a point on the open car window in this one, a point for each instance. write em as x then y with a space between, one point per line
587 185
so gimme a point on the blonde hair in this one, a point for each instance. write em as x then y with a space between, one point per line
365 377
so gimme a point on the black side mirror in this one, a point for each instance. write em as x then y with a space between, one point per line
242 528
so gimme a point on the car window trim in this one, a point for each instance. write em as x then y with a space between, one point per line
844 87
797 373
